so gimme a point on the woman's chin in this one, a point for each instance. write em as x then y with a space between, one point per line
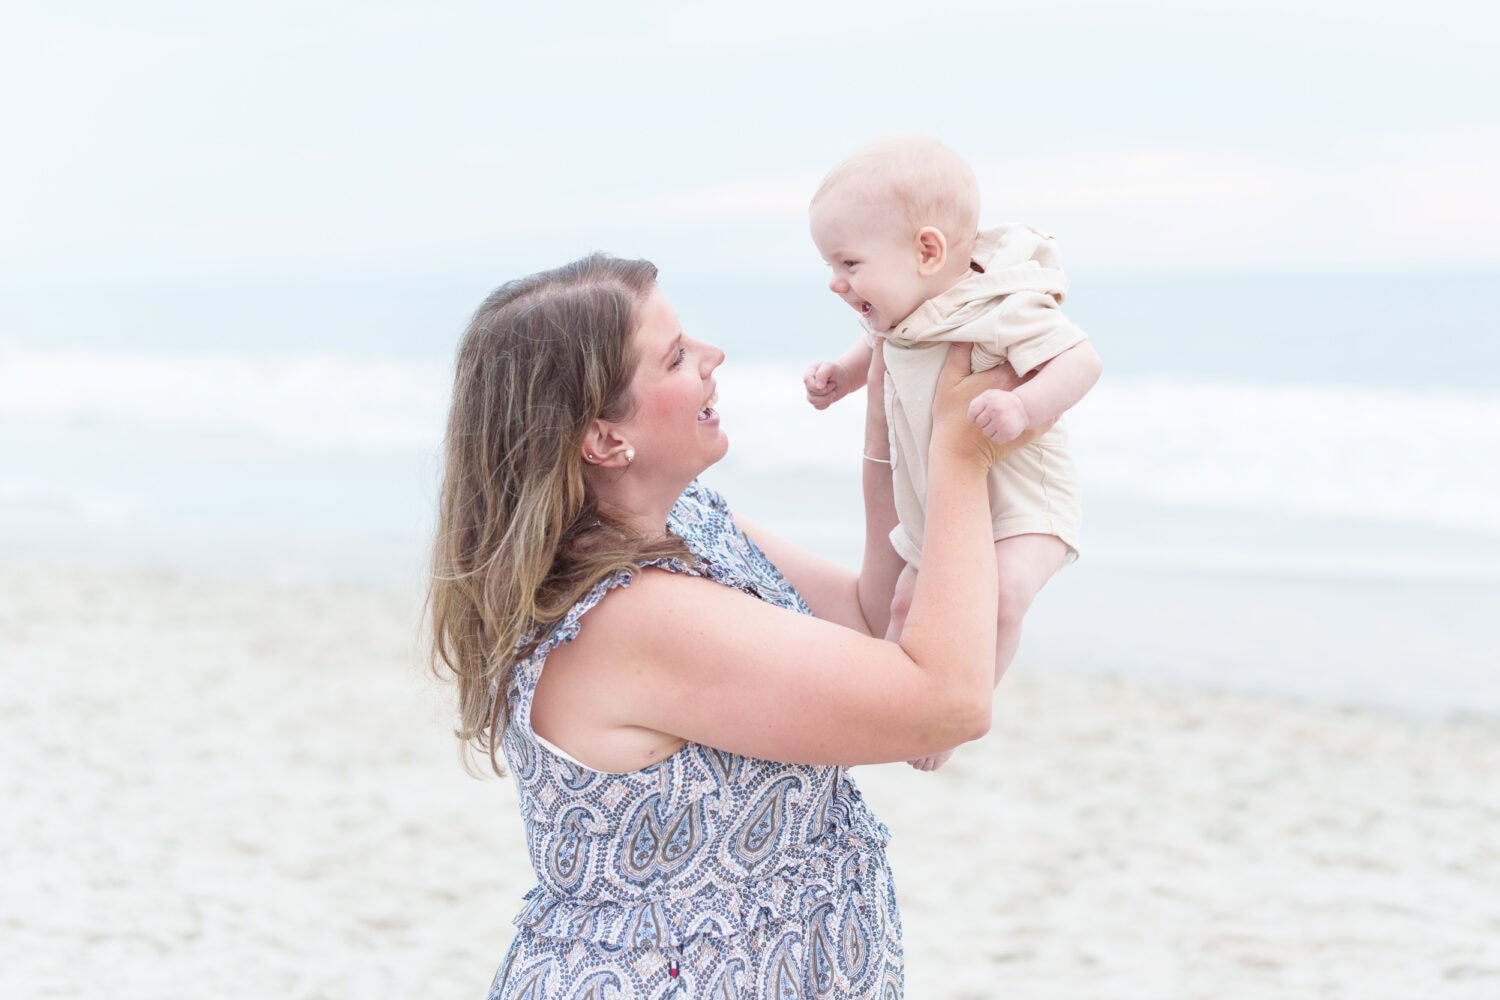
718 453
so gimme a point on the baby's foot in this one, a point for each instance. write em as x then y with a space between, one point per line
932 761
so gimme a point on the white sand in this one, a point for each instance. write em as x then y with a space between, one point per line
224 791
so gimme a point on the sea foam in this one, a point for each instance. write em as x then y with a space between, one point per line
1423 457
317 402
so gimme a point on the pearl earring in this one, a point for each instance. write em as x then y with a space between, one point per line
629 455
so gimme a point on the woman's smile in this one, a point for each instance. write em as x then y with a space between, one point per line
674 381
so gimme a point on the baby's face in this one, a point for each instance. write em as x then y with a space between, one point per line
874 260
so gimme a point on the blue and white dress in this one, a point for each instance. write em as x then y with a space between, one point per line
706 874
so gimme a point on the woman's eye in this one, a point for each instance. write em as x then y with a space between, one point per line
681 356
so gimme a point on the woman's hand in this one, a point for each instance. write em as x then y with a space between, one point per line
957 389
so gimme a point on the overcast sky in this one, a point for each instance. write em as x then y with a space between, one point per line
156 138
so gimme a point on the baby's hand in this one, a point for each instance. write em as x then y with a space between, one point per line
826 383
1000 414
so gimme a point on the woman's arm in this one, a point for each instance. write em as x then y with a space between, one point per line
831 589
832 592
881 567
675 658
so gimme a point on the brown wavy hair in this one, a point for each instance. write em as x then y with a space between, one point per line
520 534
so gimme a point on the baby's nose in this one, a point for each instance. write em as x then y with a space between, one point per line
837 285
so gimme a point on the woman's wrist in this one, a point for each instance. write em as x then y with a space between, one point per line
965 446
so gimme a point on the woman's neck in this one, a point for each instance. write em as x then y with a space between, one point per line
638 504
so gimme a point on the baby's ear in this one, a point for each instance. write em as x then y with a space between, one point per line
932 250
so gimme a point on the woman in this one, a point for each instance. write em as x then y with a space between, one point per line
678 760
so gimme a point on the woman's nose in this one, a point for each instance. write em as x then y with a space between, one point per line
710 356
713 357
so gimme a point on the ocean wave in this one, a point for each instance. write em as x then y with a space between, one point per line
1420 457
319 402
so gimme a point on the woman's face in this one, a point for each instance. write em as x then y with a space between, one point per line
673 427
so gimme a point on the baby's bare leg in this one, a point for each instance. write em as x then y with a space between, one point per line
906 586
1025 563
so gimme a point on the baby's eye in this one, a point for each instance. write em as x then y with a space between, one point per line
681 356
850 264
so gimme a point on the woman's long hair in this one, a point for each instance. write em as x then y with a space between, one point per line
520 535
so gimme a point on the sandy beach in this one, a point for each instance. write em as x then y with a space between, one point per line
223 790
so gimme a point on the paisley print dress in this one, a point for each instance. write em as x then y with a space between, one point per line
707 874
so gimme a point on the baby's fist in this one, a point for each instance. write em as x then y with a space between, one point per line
1000 414
825 383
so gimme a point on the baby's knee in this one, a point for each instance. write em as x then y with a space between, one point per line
1014 602
906 587
900 607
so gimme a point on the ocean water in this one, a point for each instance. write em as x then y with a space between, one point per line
1290 481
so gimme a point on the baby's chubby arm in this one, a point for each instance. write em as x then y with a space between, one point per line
830 381
1005 415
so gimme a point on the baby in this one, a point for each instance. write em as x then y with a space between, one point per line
898 222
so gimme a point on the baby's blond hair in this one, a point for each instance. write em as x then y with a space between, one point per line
931 183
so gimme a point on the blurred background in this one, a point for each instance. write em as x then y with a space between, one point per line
241 242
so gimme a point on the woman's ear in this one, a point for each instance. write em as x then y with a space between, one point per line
593 443
603 445
932 251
